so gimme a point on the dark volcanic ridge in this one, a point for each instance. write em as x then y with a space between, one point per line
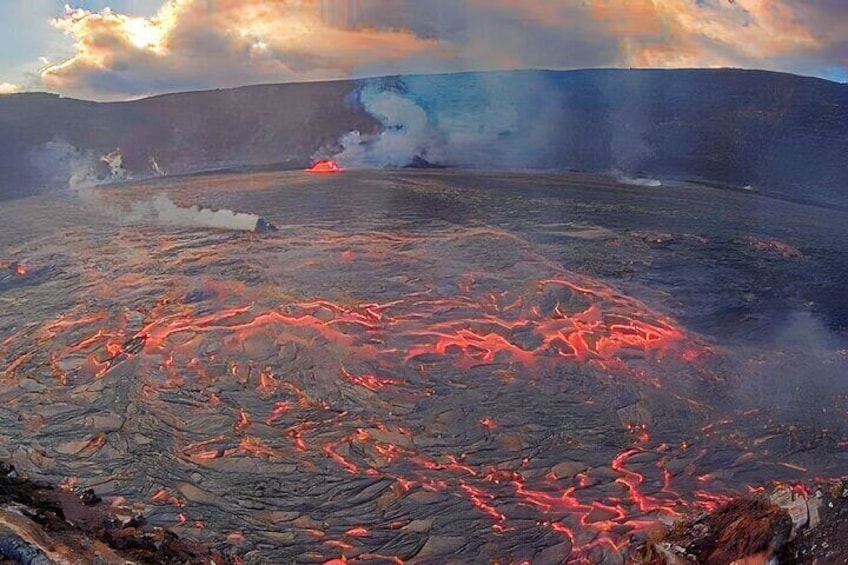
778 134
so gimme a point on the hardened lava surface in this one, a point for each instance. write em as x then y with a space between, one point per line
421 367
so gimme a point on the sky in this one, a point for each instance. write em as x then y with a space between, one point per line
124 49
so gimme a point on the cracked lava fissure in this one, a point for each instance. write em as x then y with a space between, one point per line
367 396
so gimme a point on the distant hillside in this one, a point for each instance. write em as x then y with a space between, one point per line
782 134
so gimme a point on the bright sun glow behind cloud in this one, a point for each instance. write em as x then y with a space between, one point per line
190 44
196 43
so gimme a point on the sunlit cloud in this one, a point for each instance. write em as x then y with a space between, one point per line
190 44
8 88
203 43
678 33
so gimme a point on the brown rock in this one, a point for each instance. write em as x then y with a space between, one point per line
105 422
741 529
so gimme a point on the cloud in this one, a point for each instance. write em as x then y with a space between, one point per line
204 43
190 44
675 33
8 88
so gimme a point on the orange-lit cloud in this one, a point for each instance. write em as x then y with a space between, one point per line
680 33
191 44
725 33
200 43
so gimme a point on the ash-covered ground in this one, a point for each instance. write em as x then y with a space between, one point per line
421 366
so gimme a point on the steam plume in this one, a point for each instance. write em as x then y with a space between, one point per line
407 132
162 211
61 166
472 120
638 181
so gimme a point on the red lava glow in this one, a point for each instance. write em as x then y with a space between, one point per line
324 166
414 329
371 382
488 423
385 352
18 268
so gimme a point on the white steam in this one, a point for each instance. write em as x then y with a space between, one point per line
162 211
406 133
471 120
61 166
638 181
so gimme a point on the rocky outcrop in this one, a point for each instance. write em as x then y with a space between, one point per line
785 524
43 525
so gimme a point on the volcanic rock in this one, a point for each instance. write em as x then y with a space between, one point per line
441 546
813 505
264 226
554 555
419 162
419 526
794 504
825 539
61 526
743 529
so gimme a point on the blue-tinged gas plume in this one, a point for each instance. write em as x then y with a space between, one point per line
471 120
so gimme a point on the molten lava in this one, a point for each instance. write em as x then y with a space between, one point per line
324 166
18 268
366 421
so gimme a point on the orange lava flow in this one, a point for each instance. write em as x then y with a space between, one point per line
599 331
381 355
596 328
